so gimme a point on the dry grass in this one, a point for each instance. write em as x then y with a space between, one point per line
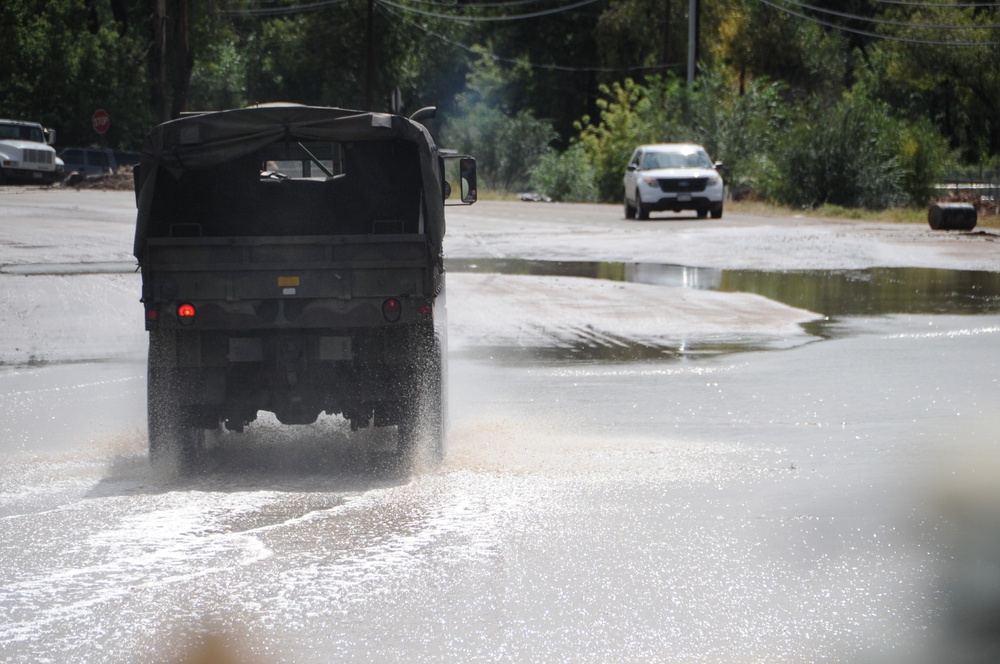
892 215
762 209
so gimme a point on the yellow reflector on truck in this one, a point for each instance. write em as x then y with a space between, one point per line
289 282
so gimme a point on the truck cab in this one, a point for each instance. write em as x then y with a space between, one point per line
26 153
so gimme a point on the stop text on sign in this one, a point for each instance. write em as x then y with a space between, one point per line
101 121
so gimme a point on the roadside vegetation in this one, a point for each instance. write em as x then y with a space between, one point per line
894 215
864 106
987 218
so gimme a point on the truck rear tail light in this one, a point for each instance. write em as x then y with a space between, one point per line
186 313
425 309
392 309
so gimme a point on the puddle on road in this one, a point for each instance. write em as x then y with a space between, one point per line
833 293
836 294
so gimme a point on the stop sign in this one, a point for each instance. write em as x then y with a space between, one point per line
101 121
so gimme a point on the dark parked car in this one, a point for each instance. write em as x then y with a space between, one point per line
89 161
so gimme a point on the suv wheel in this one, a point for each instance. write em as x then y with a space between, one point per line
629 210
642 212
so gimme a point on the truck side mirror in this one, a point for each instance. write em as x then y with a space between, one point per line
464 180
50 136
467 169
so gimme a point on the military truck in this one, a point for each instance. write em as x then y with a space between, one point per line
292 262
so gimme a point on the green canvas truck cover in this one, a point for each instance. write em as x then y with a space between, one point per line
207 140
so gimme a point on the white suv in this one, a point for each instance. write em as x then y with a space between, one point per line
672 176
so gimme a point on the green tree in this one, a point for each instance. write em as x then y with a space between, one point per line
949 76
63 59
757 40
506 144
565 176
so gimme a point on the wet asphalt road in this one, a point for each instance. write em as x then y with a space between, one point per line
725 503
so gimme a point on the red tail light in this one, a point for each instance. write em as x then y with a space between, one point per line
392 309
186 313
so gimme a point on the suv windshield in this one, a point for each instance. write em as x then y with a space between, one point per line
697 159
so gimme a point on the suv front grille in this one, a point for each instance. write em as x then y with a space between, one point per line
683 185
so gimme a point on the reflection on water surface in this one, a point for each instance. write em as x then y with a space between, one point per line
870 292
837 294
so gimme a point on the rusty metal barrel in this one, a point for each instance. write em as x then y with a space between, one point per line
952 216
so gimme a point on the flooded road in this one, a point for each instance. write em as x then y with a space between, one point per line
779 474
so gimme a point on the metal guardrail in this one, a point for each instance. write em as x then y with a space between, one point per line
983 193
970 185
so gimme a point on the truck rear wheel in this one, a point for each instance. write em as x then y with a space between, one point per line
422 431
174 443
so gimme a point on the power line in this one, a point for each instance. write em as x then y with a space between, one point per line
324 4
939 5
478 19
499 58
284 11
905 24
875 35
479 5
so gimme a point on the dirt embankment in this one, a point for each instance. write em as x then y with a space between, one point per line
120 181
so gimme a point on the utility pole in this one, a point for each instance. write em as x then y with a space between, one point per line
158 60
694 19
184 63
370 63
666 39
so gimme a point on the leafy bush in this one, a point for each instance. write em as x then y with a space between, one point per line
566 176
506 147
631 114
741 130
924 156
847 155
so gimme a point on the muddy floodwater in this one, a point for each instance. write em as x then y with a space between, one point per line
648 462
